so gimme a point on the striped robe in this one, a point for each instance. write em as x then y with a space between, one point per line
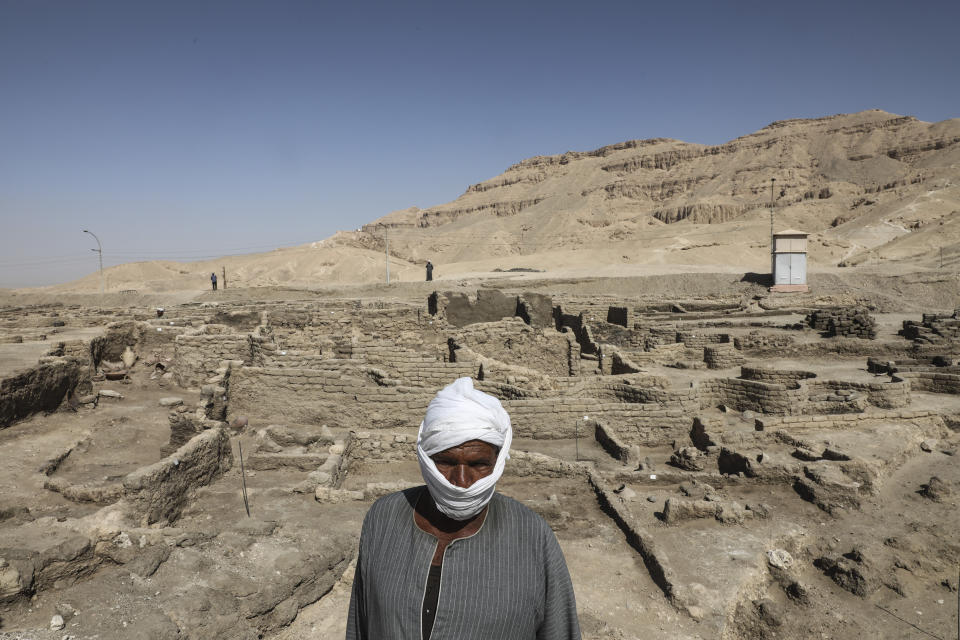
508 581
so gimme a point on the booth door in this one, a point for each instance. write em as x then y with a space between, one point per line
798 268
791 268
782 268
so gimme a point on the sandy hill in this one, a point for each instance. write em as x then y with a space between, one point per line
870 188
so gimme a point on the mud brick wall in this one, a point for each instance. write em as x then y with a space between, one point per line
76 349
940 363
304 329
931 382
432 375
556 418
375 446
611 443
592 310
343 397
848 421
664 353
294 359
852 321
660 336
41 388
616 335
750 395
775 376
760 341
515 343
139 336
621 364
497 373
635 393
700 340
406 364
886 395
620 316
159 492
722 357
197 357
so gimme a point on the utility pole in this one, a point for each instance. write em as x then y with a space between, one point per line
224 277
386 250
772 258
99 250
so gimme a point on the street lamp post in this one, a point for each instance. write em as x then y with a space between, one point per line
99 251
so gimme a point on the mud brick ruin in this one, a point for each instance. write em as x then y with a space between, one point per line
712 469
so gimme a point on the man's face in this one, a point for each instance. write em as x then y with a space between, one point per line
466 463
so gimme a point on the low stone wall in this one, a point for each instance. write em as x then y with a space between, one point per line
759 341
159 492
611 443
304 329
930 381
844 421
886 395
722 357
376 446
700 340
339 397
197 357
646 389
658 354
295 360
750 395
936 364
41 388
775 376
557 418
619 363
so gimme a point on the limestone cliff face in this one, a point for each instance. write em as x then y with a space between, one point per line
670 181
838 170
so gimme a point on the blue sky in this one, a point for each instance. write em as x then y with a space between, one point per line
189 129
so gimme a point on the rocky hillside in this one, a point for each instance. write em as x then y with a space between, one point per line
871 188
834 177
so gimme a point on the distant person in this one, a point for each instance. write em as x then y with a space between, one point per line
159 312
213 280
429 271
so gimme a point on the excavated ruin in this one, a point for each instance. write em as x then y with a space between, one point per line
713 468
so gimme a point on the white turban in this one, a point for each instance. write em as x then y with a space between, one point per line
459 413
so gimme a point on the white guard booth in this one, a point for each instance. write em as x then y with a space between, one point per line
790 261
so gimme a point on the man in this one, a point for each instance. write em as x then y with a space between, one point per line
213 280
429 271
454 560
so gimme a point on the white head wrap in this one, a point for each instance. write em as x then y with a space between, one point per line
457 414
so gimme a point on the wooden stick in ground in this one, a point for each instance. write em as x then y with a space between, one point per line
243 479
